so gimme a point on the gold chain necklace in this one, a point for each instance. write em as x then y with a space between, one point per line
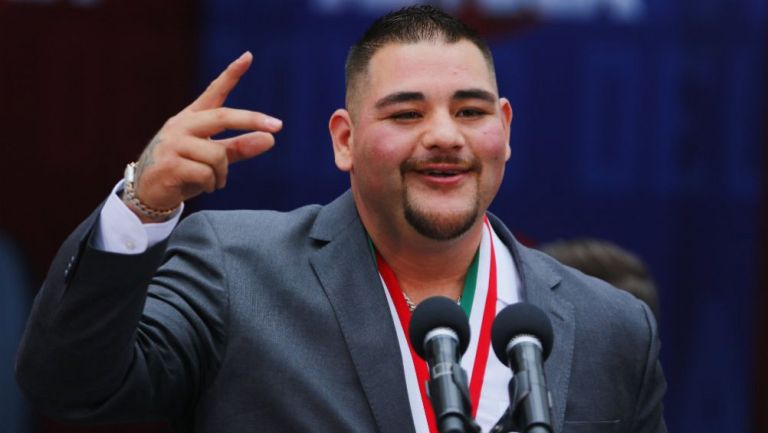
412 305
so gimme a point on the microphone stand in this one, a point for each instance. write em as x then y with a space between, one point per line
451 415
520 387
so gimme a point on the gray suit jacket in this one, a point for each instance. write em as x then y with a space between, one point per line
267 321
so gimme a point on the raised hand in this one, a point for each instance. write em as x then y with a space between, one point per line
182 160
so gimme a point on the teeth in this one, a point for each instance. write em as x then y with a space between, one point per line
440 173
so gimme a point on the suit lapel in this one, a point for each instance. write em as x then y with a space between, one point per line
539 284
351 281
348 274
558 365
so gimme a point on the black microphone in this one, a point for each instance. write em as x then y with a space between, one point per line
522 339
439 332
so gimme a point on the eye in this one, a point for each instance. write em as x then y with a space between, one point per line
470 112
406 115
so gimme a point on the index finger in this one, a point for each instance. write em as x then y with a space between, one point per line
217 92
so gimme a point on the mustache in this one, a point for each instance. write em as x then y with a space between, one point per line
421 164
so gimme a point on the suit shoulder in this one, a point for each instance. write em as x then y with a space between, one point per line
254 225
597 303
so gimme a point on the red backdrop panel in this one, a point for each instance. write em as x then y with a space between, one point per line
82 90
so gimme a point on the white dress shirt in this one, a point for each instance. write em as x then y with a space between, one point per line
120 231
494 396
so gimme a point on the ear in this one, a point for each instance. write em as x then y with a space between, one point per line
340 127
506 117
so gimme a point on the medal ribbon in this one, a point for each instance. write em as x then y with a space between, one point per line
484 338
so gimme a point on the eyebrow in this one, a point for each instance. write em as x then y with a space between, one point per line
398 97
475 94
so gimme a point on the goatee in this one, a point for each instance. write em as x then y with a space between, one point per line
436 226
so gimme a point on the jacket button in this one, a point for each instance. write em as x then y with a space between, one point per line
68 270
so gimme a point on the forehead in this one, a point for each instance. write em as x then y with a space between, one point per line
429 67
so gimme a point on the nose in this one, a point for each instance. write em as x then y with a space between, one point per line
442 132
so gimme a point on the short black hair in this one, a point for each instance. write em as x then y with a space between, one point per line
409 25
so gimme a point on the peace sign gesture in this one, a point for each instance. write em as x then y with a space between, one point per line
182 160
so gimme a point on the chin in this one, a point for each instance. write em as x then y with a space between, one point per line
440 226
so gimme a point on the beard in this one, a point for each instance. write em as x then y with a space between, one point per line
441 226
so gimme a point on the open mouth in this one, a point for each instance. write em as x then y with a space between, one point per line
442 173
442 170
443 176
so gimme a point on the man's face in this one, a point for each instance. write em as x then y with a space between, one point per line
428 140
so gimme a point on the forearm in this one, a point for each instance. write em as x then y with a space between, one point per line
107 344
80 334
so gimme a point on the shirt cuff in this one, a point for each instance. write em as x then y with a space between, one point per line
120 231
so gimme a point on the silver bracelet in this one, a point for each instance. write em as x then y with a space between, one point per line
129 196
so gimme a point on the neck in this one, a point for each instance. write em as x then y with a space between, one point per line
426 267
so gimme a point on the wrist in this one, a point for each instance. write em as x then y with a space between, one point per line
147 214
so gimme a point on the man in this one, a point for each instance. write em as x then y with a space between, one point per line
296 322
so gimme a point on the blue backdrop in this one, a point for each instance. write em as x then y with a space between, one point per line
643 130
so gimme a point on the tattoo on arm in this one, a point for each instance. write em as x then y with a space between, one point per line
146 159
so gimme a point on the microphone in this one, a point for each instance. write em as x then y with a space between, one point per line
522 339
439 332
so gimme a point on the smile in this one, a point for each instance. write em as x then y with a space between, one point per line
442 173
443 177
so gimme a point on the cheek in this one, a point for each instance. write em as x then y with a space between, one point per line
376 158
492 144
491 149
381 149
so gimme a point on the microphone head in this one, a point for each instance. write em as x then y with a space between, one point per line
521 319
438 312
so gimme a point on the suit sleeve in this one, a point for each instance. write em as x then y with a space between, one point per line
116 337
649 413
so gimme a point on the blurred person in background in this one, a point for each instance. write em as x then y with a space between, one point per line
609 262
14 304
